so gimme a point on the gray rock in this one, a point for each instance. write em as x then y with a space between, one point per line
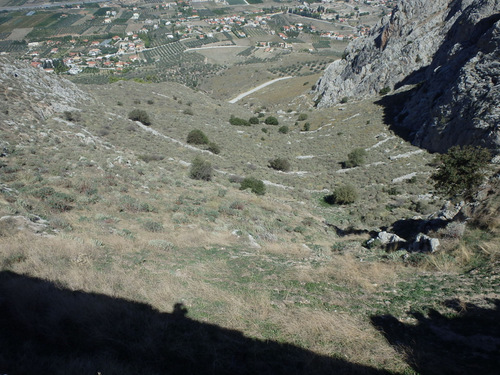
424 244
21 223
386 238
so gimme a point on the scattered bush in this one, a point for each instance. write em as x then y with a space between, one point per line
355 158
302 117
345 194
72 116
152 226
139 115
200 169
279 164
254 120
461 171
213 148
283 129
256 186
386 90
188 111
197 137
344 100
271 120
307 127
238 121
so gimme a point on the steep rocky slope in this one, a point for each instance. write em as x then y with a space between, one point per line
449 50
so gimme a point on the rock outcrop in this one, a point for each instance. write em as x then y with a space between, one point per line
448 53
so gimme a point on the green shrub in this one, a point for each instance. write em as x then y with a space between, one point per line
344 100
254 120
271 120
256 186
238 121
355 158
345 194
139 115
197 137
386 90
200 169
307 127
302 117
279 164
188 111
213 148
461 171
283 129
152 226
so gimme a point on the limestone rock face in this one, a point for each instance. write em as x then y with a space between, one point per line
448 51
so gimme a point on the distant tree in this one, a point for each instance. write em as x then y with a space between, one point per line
256 186
197 137
271 120
283 129
213 148
254 120
280 164
302 117
238 121
345 194
461 170
200 169
139 115
355 158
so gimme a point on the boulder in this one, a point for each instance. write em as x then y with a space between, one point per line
424 244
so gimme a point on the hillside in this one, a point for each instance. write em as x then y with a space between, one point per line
441 57
114 260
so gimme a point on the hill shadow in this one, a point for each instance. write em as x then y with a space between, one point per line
45 328
467 343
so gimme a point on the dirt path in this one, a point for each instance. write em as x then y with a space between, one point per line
241 96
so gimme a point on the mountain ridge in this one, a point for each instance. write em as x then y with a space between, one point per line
447 52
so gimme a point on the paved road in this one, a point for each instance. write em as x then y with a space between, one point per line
241 96
47 5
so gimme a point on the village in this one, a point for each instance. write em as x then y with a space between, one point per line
117 38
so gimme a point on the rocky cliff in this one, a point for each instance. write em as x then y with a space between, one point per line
448 53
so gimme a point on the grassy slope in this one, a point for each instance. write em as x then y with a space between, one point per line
144 232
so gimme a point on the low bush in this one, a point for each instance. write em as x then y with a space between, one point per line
254 120
279 164
238 121
139 115
256 186
386 90
283 129
345 194
302 117
271 120
200 169
213 148
197 137
355 158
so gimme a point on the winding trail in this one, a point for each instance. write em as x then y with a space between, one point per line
241 96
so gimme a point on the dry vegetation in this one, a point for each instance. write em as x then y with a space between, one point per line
266 283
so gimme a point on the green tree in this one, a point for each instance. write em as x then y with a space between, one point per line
280 164
355 158
256 186
271 120
345 194
139 115
200 169
197 137
461 171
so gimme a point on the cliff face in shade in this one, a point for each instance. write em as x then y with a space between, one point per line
450 51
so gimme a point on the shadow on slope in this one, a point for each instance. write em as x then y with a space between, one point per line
48 329
467 343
